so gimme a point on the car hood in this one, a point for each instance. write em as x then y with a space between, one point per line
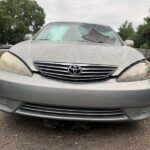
121 56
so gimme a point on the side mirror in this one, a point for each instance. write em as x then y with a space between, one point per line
28 37
129 43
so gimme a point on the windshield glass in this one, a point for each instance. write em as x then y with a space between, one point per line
78 32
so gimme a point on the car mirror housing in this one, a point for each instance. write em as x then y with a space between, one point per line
130 43
28 37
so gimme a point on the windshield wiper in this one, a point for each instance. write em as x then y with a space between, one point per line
42 39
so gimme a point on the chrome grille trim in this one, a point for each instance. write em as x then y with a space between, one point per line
145 110
89 72
72 76
67 111
3 102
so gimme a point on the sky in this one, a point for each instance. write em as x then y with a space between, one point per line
107 12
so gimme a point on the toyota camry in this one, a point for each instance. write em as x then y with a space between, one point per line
75 71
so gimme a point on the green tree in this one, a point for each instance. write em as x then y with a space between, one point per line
18 17
143 34
126 31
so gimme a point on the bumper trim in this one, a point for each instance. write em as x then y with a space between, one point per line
71 113
73 118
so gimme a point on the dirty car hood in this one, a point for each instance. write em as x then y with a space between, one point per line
121 56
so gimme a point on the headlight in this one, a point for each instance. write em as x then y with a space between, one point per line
11 63
137 72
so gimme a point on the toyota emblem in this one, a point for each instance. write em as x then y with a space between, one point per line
75 70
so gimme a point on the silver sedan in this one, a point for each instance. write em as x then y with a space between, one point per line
75 71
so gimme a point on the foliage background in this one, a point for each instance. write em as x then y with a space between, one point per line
19 17
141 35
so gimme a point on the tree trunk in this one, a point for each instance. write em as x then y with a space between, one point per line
3 37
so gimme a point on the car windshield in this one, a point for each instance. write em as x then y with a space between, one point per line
78 32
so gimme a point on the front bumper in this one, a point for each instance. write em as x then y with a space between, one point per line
133 99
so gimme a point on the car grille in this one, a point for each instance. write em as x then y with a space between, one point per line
2 102
88 72
145 110
69 112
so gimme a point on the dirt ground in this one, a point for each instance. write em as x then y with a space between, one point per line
23 133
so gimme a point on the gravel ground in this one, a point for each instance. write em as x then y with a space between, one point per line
23 133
